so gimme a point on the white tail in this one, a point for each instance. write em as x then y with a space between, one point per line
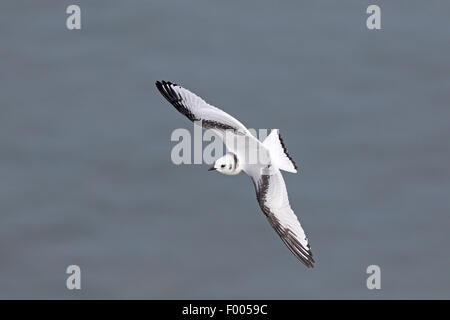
278 152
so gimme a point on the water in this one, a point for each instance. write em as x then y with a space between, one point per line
86 176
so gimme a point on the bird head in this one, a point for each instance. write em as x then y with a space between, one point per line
226 165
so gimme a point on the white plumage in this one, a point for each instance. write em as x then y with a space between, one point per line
269 184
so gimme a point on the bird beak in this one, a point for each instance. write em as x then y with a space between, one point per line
211 169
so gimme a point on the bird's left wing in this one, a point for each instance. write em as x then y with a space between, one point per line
273 199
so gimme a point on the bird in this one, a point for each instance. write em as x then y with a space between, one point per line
271 192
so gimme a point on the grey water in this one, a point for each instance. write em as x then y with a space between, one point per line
86 176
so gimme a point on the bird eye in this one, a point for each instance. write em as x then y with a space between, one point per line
222 166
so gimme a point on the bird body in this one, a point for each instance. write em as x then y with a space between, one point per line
262 161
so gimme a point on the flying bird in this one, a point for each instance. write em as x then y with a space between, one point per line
271 192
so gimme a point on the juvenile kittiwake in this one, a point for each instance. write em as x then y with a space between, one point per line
271 192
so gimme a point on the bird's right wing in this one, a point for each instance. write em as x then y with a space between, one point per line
196 109
232 132
273 199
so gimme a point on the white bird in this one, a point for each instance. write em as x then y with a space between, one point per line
269 184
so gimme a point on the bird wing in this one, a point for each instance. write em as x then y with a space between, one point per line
209 117
273 199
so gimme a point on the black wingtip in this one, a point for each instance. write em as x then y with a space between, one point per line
160 84
164 86
160 87
163 82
